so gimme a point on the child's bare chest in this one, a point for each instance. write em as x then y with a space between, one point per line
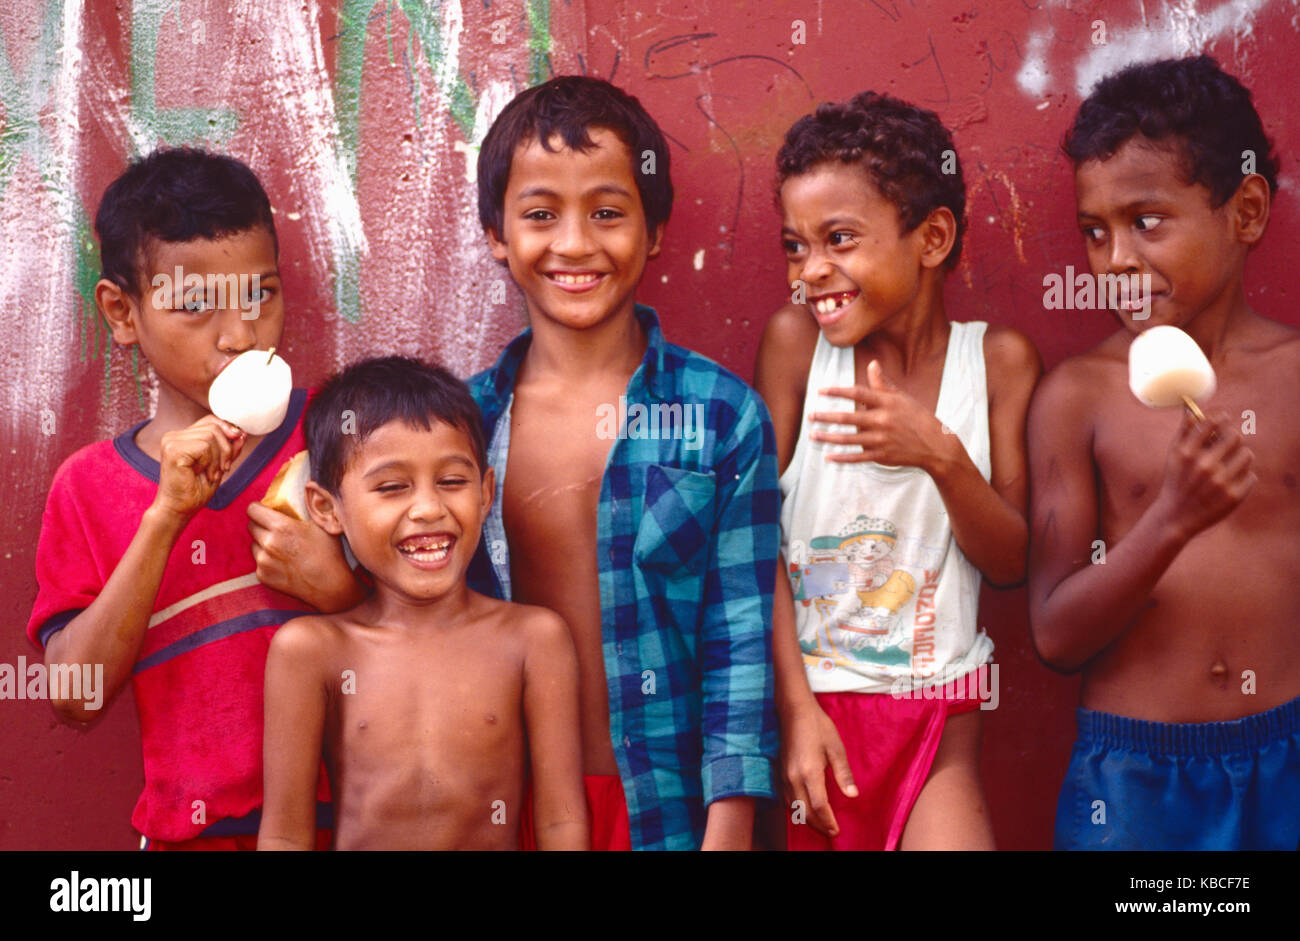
424 703
553 478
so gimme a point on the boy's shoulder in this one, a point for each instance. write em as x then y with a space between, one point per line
1273 339
687 374
533 622
307 638
90 464
1079 382
1012 365
1006 348
791 324
788 341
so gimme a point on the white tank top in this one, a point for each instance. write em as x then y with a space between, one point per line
884 598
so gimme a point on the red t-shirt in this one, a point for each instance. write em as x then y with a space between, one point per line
199 679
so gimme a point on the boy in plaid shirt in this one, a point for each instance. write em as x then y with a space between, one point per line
636 481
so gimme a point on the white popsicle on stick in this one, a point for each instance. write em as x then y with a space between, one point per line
1166 368
253 391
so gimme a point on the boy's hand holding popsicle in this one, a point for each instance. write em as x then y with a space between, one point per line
293 555
1208 471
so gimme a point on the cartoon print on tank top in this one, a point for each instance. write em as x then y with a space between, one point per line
858 584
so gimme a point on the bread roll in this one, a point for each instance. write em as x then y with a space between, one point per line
288 490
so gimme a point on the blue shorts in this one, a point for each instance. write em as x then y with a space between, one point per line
1138 785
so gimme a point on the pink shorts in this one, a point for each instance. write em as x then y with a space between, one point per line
890 743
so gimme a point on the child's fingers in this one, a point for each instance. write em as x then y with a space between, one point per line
819 805
860 419
1238 463
840 769
838 437
262 520
869 398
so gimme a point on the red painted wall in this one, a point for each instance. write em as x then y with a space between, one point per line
357 116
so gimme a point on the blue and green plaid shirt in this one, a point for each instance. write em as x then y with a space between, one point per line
687 536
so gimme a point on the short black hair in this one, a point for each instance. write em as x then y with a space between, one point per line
570 106
904 150
1191 103
377 391
175 194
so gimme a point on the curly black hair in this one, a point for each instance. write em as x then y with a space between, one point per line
904 149
1191 103
570 106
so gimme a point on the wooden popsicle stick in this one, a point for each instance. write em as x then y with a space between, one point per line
1192 407
270 354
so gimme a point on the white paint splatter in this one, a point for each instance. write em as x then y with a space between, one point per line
1180 30
1184 31
333 215
699 260
43 188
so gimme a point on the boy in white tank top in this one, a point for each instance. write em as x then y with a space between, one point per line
903 481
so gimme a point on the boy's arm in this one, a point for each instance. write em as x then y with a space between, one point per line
740 740
987 518
1077 609
112 627
299 558
295 704
809 739
554 736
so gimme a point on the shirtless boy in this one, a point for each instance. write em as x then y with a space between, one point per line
658 549
1189 731
427 698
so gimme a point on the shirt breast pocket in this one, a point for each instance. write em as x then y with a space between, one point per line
676 520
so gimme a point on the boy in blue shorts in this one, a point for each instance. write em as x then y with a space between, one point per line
636 480
146 566
1189 726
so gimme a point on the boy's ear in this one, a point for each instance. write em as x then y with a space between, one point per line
1250 207
656 241
322 508
498 247
938 233
118 310
489 490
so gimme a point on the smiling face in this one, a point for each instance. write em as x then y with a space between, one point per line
575 231
842 239
411 502
189 344
1139 217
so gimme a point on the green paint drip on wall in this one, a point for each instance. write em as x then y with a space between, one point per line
425 20
539 41
354 18
175 126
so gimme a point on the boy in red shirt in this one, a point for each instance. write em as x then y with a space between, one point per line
145 563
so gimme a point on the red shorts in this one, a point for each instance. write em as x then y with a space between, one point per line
606 814
243 841
890 743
